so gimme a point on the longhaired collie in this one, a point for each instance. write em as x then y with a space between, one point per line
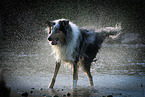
76 46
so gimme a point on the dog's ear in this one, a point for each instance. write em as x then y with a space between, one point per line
49 23
64 23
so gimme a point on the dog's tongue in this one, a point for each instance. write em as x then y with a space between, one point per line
54 42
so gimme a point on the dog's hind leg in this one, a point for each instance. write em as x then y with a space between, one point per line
88 73
86 69
75 74
55 74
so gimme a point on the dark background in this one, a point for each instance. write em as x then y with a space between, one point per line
26 57
24 19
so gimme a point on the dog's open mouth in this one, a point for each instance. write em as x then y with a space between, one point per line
54 42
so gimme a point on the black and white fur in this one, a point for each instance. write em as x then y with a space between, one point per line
76 46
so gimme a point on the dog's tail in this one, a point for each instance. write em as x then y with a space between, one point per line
111 32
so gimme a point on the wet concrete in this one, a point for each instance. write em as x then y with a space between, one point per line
28 67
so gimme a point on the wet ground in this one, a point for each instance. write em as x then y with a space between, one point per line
28 67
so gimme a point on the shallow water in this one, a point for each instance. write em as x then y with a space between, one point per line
29 64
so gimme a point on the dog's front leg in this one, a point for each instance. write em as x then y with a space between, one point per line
55 74
75 74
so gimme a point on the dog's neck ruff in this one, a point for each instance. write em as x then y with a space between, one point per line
66 52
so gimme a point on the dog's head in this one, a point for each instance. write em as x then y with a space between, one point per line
58 31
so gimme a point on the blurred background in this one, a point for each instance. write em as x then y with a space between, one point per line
24 20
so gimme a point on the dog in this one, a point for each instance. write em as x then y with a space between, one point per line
77 46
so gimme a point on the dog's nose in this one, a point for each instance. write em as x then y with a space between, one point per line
49 38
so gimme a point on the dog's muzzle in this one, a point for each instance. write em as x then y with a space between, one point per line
53 41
